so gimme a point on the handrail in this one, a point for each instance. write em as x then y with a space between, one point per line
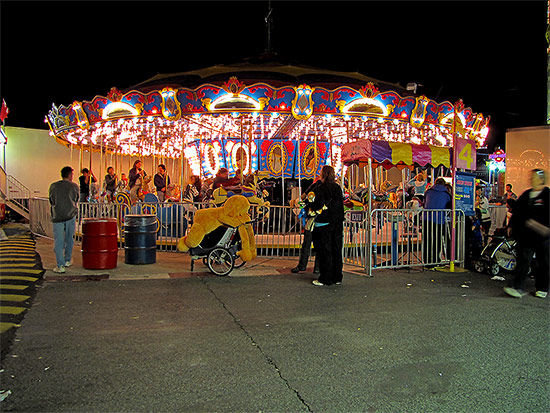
14 182
14 191
3 183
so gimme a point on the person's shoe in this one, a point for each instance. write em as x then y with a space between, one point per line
316 271
338 283
512 292
68 263
317 282
297 269
59 270
541 294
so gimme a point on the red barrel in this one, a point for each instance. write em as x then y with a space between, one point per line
99 243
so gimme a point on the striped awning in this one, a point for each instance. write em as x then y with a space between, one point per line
390 154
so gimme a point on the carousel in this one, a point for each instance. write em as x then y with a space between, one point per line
283 121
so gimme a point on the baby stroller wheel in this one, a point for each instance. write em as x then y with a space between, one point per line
479 266
494 268
220 261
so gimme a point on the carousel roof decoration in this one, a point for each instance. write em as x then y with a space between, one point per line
270 114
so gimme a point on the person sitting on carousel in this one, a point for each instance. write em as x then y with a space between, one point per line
109 184
136 176
235 181
221 177
419 183
192 193
122 185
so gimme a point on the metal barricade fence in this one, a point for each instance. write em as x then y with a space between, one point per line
356 224
385 238
409 238
40 217
278 235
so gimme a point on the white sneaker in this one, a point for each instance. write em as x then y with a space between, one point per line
317 282
541 294
513 292
68 263
59 270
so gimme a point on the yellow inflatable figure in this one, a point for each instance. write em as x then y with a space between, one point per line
233 213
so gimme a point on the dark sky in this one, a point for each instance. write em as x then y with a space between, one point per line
490 54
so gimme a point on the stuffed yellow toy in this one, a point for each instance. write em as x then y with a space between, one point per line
233 212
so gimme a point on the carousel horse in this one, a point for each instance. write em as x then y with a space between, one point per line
145 189
173 193
94 192
379 199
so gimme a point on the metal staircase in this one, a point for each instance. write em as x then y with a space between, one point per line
15 195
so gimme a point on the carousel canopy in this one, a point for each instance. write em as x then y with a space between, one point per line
389 154
265 109
259 70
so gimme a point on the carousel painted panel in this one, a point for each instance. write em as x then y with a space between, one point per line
238 155
212 157
323 101
277 157
404 108
281 100
432 109
193 156
311 161
189 101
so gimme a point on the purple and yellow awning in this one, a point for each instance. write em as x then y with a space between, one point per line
390 154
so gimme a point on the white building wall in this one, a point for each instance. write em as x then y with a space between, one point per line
34 158
526 149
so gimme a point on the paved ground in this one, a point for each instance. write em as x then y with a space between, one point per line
399 341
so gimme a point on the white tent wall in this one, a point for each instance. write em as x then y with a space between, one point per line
526 149
34 158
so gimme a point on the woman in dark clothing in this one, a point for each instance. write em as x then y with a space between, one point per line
327 203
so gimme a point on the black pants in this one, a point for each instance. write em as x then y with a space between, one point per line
486 225
525 258
328 241
305 251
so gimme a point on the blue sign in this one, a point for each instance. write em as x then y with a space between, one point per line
465 192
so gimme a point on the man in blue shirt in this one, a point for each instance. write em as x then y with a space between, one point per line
434 229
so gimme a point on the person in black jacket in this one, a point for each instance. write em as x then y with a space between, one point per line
530 227
327 203
161 181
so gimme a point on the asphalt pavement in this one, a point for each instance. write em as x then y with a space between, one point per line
161 338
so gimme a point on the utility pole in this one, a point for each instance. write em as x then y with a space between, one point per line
268 20
548 63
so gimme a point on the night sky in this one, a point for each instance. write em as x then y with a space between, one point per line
490 54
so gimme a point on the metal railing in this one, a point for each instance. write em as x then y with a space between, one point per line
40 217
414 238
17 194
279 234
385 238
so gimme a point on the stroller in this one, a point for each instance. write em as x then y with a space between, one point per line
218 250
499 255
